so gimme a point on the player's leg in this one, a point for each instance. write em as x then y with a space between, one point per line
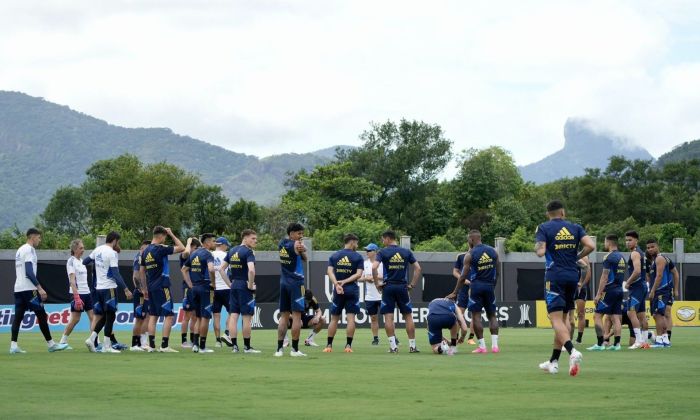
20 309
98 321
658 308
352 308
607 329
167 311
233 330
581 315
478 300
296 332
435 333
598 323
332 328
478 330
247 328
403 301
216 316
617 330
571 315
350 332
184 327
75 315
669 323
282 331
285 308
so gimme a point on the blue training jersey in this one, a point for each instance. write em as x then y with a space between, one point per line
483 264
155 259
639 283
395 261
561 239
238 258
441 306
292 264
198 263
615 263
459 262
345 263
666 284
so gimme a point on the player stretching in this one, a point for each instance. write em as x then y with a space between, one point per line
635 305
199 271
222 294
29 294
372 296
292 258
443 313
108 277
557 240
155 269
481 266
608 300
461 294
344 269
240 261
189 321
77 278
395 287
662 273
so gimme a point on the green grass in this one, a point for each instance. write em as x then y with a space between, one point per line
368 383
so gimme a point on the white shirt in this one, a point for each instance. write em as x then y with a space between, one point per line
25 254
75 266
105 258
372 294
219 257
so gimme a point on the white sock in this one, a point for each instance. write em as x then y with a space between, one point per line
494 341
412 342
645 334
637 335
144 340
659 339
664 338
311 336
13 345
50 343
482 343
107 343
93 336
392 342
64 339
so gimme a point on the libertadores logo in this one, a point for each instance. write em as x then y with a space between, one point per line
255 322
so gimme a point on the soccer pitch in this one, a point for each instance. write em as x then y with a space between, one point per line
367 383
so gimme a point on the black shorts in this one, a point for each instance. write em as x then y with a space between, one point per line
305 319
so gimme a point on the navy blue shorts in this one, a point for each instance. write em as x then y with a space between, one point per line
291 295
611 302
140 305
636 300
29 300
87 303
160 302
660 302
202 301
372 306
560 295
187 298
106 301
482 298
436 323
349 300
582 294
222 299
242 302
463 297
305 319
395 295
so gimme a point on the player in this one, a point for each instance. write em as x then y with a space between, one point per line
675 294
557 240
372 296
461 294
635 305
292 258
582 296
29 294
240 261
316 321
608 300
662 275
443 313
394 287
139 334
344 269
108 278
200 274
222 294
156 271
481 266
77 279
189 321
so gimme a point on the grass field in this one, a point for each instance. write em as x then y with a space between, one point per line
368 383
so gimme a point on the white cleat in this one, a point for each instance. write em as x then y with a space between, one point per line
167 350
575 362
635 346
251 351
550 367
297 353
206 351
310 343
90 345
195 349
136 348
278 353
109 349
148 349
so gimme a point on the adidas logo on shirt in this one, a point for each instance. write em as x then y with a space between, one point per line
149 258
564 235
195 261
284 253
485 259
396 258
344 261
235 256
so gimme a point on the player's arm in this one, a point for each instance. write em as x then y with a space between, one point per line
585 272
223 271
251 275
144 283
540 247
588 247
637 267
676 282
212 274
316 307
87 261
29 271
331 276
603 281
113 272
74 288
186 275
179 247
462 325
417 272
466 269
375 274
660 266
300 249
354 277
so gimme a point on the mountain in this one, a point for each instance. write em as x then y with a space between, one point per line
686 151
44 145
585 147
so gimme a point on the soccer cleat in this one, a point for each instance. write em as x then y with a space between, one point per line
471 341
616 347
251 350
375 342
575 362
136 348
120 346
645 346
195 349
596 347
348 349
68 347
480 350
218 344
109 349
495 350
310 343
297 353
397 340
90 345
278 353
413 350
227 340
167 350
394 350
206 351
550 367
452 351
148 349
57 347
186 345
16 350
635 346
328 349
235 349
98 348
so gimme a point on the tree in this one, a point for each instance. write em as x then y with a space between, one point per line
332 238
436 244
67 212
209 209
245 215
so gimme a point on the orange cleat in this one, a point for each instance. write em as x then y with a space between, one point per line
471 341
348 350
328 350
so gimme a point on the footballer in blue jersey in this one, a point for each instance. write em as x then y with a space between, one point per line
292 253
156 272
608 300
461 293
395 287
345 267
444 314
664 278
558 240
580 299
139 334
199 271
480 273
635 305
240 264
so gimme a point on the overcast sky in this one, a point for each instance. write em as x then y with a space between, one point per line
267 77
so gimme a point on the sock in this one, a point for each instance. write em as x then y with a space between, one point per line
329 341
637 335
453 342
617 340
482 343
412 342
97 341
295 344
152 341
64 339
600 340
195 341
311 336
579 337
113 339
192 339
226 332
569 346
555 355
471 335
218 339
649 335
144 339
164 342
246 343
235 341
664 338
93 336
184 337
348 342
13 345
669 335
392 342
280 343
494 341
376 338
134 340
202 343
107 344
50 343
659 339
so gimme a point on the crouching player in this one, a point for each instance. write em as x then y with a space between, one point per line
443 313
